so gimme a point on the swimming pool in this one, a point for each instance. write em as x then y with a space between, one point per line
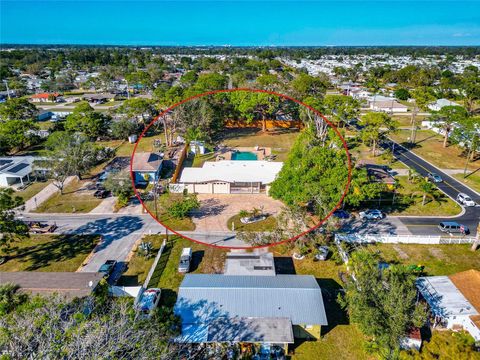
244 155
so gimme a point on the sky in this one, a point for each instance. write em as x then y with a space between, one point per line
240 23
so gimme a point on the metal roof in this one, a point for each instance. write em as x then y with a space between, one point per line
203 298
245 263
232 171
254 330
444 298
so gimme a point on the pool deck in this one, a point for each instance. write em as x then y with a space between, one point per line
260 152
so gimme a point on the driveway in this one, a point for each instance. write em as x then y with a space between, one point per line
216 209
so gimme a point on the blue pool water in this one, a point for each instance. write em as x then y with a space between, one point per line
244 155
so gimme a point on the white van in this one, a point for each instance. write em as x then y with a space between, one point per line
185 259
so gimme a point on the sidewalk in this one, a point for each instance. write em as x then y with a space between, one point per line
43 195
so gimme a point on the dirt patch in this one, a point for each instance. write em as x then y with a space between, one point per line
402 254
437 253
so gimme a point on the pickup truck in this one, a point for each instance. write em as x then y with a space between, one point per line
36 227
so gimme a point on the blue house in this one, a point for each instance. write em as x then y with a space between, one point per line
146 167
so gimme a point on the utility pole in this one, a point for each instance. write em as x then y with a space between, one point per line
128 91
8 90
414 125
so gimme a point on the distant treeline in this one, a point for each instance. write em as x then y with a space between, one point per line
21 51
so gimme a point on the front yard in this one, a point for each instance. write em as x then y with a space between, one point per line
75 199
49 253
164 201
429 145
205 260
32 189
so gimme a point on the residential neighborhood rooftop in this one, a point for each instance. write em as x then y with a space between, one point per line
232 171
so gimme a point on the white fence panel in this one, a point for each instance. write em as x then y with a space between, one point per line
403 239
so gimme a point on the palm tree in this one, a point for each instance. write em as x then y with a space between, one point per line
426 188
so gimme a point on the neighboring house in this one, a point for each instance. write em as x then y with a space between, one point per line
15 170
270 310
454 300
390 106
44 97
258 262
440 103
229 177
146 166
68 284
360 94
99 98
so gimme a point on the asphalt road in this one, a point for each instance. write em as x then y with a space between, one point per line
450 186
120 232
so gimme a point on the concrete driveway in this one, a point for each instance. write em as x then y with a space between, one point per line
216 209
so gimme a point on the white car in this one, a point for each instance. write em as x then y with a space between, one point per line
149 301
371 215
466 200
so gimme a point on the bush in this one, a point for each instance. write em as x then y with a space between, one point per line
180 209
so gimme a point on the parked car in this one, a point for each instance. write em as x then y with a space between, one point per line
341 214
36 227
322 253
107 267
433 177
466 200
148 301
185 259
101 194
371 214
452 227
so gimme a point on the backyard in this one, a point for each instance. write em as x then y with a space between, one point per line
49 253
76 198
280 141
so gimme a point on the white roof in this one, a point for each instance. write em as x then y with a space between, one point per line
444 298
446 102
233 171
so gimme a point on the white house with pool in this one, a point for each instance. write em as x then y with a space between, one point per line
228 177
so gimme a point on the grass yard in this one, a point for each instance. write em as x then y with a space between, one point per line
280 141
205 259
429 145
198 160
472 180
363 152
74 200
32 190
441 206
269 224
49 253
340 339
437 259
163 202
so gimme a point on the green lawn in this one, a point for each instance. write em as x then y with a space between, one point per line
441 206
280 141
269 224
198 160
429 145
472 180
206 259
73 200
32 190
49 253
340 339
437 259
362 152
163 202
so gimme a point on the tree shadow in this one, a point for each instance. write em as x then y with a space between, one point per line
284 265
62 248
111 230
335 314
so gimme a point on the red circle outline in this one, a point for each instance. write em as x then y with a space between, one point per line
321 222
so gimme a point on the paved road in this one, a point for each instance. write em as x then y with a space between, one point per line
450 186
120 232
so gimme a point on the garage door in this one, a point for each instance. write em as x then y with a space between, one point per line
221 188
